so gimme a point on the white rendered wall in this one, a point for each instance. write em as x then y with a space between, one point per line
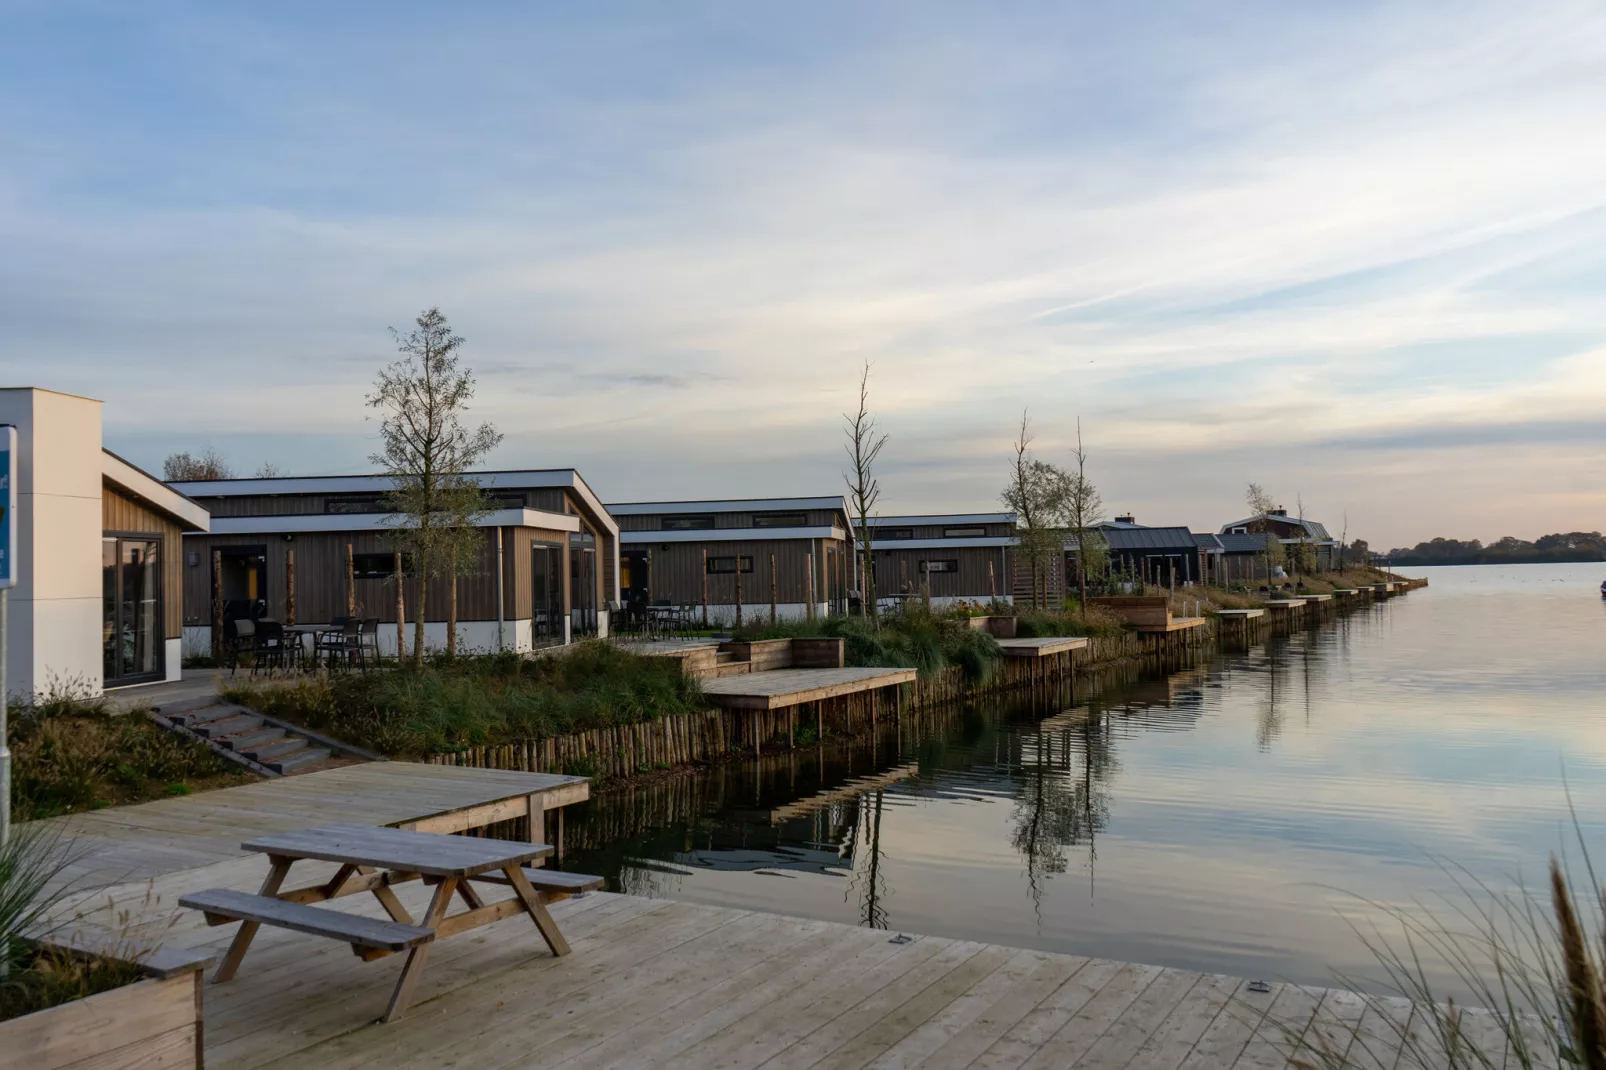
55 612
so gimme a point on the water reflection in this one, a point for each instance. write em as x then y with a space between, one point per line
1204 818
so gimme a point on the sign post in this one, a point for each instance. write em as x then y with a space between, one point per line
8 576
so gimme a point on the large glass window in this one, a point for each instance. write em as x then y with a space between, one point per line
583 580
547 613
131 608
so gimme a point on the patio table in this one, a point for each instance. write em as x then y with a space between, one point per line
374 859
300 631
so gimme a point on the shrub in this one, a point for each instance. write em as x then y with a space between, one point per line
917 638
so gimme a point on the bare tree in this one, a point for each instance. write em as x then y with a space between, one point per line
864 445
1261 506
1036 493
427 451
269 470
1083 510
208 464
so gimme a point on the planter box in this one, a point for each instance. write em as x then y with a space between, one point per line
154 1023
999 627
1145 611
819 653
763 654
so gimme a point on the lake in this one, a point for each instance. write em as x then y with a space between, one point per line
1229 817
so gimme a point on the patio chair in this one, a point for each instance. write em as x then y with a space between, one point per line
368 634
343 646
269 647
241 636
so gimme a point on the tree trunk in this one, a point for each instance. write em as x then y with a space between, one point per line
289 586
217 605
418 624
351 584
1081 576
401 610
451 619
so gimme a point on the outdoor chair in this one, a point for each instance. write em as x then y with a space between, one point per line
368 633
241 640
344 646
269 647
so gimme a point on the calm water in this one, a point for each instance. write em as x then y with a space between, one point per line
1222 818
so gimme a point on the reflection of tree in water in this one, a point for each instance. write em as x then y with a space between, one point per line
869 881
1059 805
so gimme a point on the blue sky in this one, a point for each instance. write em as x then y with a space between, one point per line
1353 252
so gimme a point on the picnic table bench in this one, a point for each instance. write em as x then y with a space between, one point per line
373 859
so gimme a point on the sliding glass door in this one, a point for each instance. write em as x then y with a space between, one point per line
131 609
547 618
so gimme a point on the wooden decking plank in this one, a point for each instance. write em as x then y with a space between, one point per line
908 1016
969 1026
1083 1029
1221 1044
1275 1039
1174 1040
1141 1020
663 1028
831 1012
1022 1040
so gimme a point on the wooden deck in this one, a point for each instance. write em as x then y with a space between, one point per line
132 843
1240 614
658 983
1176 624
1043 647
780 688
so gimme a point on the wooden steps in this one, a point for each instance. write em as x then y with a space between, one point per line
236 732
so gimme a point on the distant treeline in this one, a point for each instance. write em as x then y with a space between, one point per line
1573 546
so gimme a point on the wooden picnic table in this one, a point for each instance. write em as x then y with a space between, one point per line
374 859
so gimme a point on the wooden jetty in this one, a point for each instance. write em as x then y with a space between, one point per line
128 843
683 986
1045 647
779 688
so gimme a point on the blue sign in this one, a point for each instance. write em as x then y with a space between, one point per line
8 503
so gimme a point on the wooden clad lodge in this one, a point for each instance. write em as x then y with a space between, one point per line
1293 533
952 556
284 547
1167 556
794 551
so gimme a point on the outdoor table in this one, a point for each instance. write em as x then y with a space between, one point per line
302 630
374 859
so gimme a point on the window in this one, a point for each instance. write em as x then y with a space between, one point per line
378 566
893 533
371 503
963 533
697 522
780 520
728 564
506 501
948 565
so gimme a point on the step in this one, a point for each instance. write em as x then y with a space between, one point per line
295 760
725 657
252 740
269 752
201 715
227 726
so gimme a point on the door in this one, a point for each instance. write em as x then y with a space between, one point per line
132 641
546 605
583 581
634 580
244 573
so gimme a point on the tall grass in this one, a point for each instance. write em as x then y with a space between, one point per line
451 703
1534 964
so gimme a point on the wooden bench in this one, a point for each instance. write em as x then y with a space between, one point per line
551 883
370 938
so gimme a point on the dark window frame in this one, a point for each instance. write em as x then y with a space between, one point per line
780 520
949 566
688 522
727 565
333 506
363 565
892 533
974 531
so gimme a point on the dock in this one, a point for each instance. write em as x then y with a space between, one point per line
1240 614
133 843
1175 624
1045 647
683 986
779 688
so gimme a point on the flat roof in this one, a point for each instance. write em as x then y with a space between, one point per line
726 505
945 518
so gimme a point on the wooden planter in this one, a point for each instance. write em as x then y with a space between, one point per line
154 1023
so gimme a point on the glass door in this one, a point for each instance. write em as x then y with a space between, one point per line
583 581
131 609
546 606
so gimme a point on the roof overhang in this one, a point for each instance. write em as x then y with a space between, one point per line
933 519
321 522
191 516
991 542
639 538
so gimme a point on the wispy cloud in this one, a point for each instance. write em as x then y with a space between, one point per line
1340 249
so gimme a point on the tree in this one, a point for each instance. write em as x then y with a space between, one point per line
1036 493
426 450
269 470
1083 507
864 490
184 467
1261 505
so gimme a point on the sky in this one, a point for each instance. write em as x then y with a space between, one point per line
1353 252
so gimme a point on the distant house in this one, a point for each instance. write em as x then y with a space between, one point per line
1167 555
1243 558
689 552
1292 532
951 556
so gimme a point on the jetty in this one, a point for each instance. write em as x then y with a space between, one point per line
660 983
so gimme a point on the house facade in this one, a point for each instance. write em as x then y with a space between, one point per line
953 557
1296 535
310 549
748 552
1166 556
97 603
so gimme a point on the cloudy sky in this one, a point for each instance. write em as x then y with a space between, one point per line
1355 252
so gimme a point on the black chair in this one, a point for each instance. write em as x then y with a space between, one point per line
369 634
269 647
241 635
342 643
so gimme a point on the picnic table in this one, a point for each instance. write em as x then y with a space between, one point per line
374 859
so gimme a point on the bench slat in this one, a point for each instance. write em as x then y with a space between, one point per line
316 921
549 880
431 853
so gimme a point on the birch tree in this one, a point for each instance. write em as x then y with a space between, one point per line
864 446
426 450
1036 493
